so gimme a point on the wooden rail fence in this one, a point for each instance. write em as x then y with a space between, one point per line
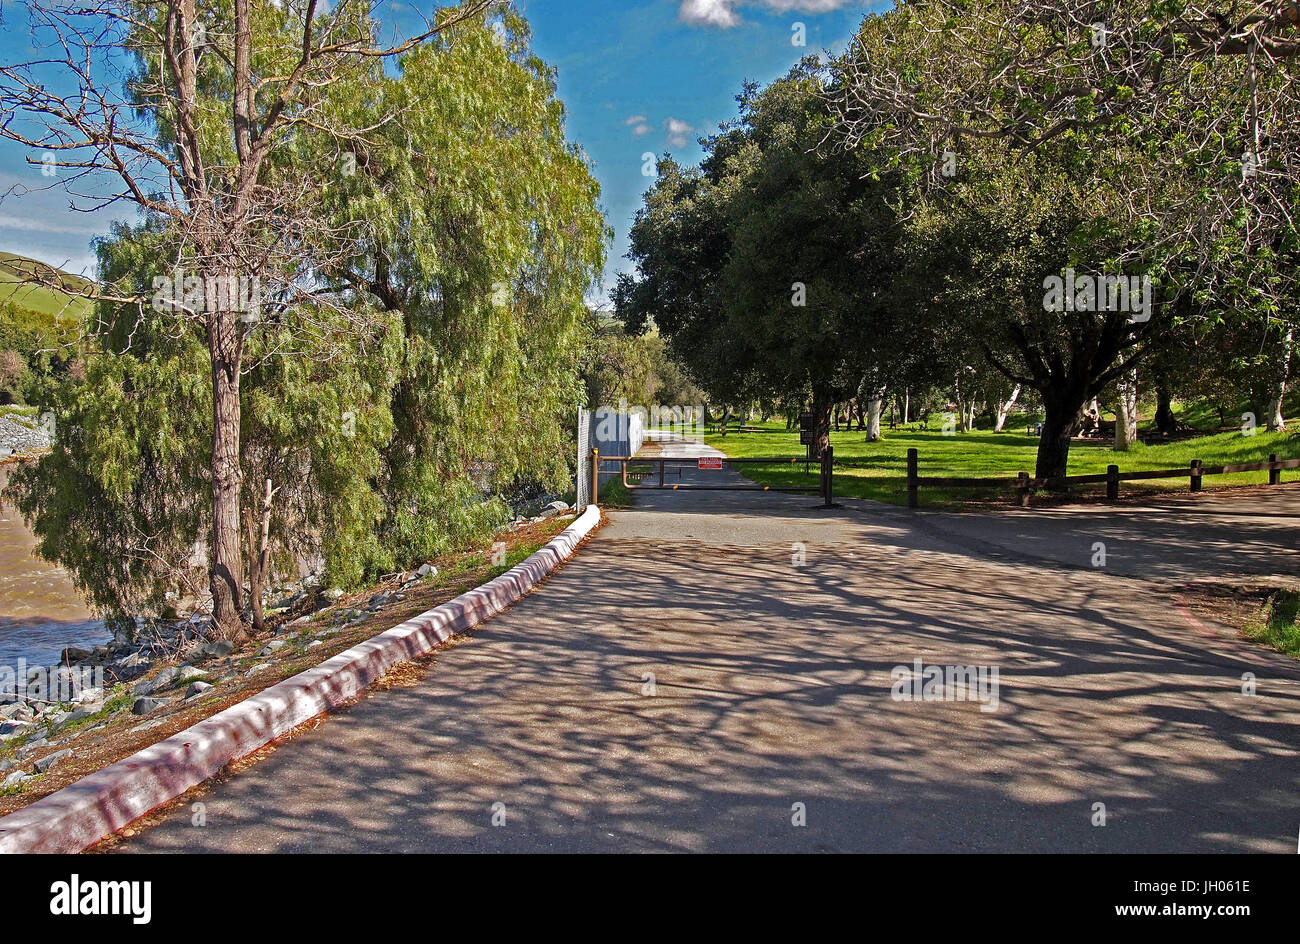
1023 483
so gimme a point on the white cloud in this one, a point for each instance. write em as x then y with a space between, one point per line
30 225
720 13
678 132
724 14
639 130
635 120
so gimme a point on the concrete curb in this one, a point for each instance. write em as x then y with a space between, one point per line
103 802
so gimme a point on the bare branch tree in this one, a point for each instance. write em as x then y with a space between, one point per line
188 114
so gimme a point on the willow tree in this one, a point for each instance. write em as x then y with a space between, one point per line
252 135
486 237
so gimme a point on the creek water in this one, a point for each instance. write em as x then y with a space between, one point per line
40 609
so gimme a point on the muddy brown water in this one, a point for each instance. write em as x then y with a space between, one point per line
40 609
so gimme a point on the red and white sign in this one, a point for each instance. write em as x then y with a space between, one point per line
710 462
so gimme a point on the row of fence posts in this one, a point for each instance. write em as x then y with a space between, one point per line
1024 482
827 476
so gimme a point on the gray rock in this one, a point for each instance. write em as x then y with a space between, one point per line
30 748
425 570
257 668
73 654
132 661
163 679
213 649
275 645
380 599
13 780
188 673
49 760
146 705
197 688
14 728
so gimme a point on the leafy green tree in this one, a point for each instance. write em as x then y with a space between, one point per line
436 304
768 267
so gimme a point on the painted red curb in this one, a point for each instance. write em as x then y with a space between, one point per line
101 803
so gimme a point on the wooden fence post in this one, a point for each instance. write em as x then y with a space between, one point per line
1022 489
1196 475
1112 483
595 476
1274 473
913 500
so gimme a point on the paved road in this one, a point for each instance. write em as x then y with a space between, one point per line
772 681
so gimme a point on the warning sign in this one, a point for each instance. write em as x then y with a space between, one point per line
710 462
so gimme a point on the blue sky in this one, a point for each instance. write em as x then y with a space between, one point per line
637 76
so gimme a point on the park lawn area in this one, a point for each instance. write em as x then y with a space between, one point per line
877 470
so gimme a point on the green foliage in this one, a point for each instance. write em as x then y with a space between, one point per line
1279 628
397 415
488 236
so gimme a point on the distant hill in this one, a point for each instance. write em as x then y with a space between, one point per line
15 268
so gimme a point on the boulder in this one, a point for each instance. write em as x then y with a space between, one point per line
163 679
212 649
49 760
72 654
146 705
14 728
197 688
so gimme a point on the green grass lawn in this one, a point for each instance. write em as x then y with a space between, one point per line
877 470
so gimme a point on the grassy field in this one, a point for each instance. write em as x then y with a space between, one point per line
877 470
14 268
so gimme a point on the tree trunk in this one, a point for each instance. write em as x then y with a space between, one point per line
1166 422
1126 418
226 565
1004 407
1276 421
907 404
259 553
1060 423
823 405
874 404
